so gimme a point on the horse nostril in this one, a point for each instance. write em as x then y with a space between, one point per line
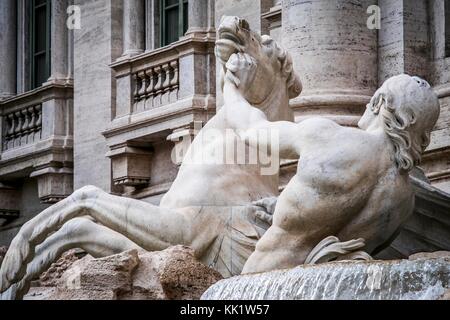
244 24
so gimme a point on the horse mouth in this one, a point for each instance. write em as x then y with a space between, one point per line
227 44
230 36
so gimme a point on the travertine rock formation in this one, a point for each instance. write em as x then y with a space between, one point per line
170 274
50 277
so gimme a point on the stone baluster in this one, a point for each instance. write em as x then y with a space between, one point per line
174 81
33 119
38 128
4 133
11 124
144 83
149 90
167 75
17 129
137 86
32 124
166 71
25 126
158 86
10 130
140 102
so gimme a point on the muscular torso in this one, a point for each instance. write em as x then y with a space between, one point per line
346 185
204 183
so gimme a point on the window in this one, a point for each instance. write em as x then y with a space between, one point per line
40 42
174 20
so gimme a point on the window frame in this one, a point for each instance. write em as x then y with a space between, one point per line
33 54
182 28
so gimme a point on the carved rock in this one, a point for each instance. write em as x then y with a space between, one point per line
51 277
170 274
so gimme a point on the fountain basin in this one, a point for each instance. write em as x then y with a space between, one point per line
420 279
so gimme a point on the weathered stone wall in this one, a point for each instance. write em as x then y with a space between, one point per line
437 160
97 44
29 206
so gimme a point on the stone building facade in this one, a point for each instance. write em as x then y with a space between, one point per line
108 101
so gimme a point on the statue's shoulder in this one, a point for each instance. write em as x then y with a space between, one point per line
318 122
318 126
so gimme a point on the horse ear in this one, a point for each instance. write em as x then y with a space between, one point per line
377 102
295 86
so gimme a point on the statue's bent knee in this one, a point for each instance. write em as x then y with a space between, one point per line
86 192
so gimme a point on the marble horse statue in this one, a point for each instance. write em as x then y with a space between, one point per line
209 207
351 189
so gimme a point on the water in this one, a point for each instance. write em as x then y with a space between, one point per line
375 280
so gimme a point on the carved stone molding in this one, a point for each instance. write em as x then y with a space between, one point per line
182 138
344 107
273 16
158 92
54 184
131 165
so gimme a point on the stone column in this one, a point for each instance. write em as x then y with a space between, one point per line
133 27
70 48
335 55
8 21
23 46
59 39
197 16
152 33
404 45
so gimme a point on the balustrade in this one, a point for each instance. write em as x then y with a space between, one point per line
22 127
156 86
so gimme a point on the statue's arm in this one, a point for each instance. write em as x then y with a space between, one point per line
281 135
252 124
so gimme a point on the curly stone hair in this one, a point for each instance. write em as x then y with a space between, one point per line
287 68
407 125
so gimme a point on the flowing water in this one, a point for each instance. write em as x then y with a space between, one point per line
386 280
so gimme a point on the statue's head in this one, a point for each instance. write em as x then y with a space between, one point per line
408 109
274 72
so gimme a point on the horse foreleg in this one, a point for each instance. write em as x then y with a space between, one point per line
149 226
95 239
